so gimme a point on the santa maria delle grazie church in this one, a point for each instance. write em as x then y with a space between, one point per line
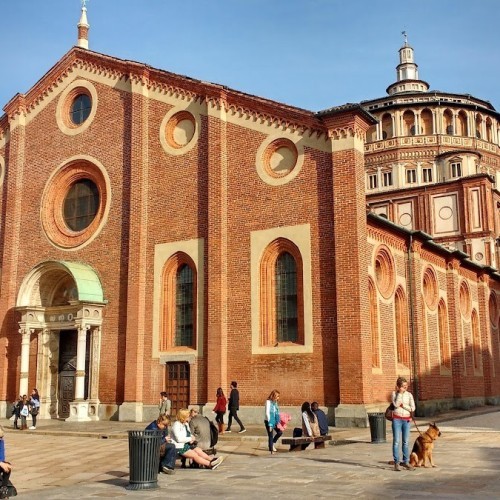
163 233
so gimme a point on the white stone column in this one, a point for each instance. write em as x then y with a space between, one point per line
95 353
25 360
81 349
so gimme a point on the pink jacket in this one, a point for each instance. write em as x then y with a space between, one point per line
284 419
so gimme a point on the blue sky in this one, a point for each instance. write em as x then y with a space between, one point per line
313 54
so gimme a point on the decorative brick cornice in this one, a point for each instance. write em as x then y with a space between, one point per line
383 236
437 260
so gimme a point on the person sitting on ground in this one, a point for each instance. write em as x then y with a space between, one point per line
200 429
5 467
168 451
186 444
321 417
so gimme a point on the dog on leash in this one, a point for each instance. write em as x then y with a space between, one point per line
424 444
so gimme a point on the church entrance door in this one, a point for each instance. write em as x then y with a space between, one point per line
178 385
67 370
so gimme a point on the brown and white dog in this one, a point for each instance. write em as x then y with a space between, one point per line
424 444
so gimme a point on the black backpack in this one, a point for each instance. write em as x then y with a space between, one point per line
214 434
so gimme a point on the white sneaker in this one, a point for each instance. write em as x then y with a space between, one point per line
32 428
274 449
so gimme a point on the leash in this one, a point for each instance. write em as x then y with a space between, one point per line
415 422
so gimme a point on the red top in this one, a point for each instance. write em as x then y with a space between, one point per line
221 404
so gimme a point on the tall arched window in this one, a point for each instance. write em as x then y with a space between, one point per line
372 298
444 336
184 302
287 320
282 301
179 290
476 341
402 332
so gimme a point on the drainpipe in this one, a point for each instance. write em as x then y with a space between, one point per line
412 327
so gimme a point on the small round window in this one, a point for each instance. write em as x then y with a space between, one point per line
80 109
81 204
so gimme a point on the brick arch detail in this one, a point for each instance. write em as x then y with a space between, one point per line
268 329
168 301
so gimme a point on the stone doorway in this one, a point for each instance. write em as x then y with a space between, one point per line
61 303
67 370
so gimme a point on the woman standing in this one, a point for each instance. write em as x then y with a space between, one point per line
186 444
272 419
35 406
401 418
220 409
25 411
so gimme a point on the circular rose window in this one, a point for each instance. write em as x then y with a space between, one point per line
180 129
75 203
280 158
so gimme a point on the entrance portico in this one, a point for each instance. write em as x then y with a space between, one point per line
61 304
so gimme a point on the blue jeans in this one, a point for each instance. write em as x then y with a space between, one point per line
272 438
400 428
170 456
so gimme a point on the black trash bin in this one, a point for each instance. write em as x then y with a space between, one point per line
377 427
144 459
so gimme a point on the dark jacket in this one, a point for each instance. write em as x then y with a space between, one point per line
322 422
234 400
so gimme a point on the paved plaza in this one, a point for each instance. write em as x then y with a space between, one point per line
62 460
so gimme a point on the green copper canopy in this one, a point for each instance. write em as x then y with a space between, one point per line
88 284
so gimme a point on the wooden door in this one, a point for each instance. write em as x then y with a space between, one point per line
178 385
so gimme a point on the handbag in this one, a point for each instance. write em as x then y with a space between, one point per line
389 411
34 410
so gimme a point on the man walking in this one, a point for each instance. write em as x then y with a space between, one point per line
234 406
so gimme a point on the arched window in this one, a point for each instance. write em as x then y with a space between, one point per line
178 329
409 123
462 128
489 130
372 299
426 118
287 321
476 341
444 336
479 124
448 122
282 303
184 314
402 331
387 130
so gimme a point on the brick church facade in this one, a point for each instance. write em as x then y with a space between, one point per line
159 232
